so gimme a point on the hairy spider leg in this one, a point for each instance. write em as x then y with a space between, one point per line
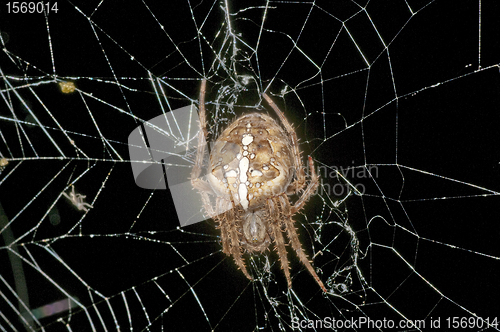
300 181
309 191
279 240
202 186
295 242
235 240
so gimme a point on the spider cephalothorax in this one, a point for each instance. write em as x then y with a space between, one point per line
254 165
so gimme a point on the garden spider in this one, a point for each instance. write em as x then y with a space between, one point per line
255 165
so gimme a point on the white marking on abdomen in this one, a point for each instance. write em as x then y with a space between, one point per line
243 189
243 168
247 139
242 192
256 173
231 174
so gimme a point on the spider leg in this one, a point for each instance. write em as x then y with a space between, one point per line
279 240
223 233
295 242
204 189
221 220
67 196
87 206
311 188
202 135
300 181
234 249
202 186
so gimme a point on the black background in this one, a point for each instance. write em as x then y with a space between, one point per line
423 109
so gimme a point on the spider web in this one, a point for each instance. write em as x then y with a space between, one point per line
396 103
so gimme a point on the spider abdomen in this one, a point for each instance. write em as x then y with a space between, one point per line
255 235
251 161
